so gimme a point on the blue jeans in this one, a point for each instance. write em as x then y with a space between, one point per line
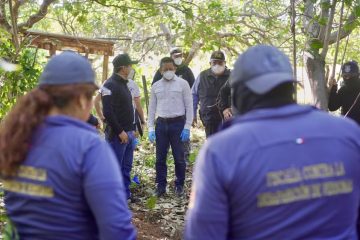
125 155
168 134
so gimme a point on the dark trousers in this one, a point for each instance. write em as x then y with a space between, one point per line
168 134
125 155
211 127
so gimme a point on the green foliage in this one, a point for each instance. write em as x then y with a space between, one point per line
316 44
193 156
357 10
15 84
323 21
151 202
10 232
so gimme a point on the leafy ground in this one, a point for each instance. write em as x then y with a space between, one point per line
161 218
154 218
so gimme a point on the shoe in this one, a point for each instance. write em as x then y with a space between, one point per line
179 191
160 192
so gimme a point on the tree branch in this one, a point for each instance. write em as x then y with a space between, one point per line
323 15
328 30
36 17
193 50
344 32
16 7
168 36
3 21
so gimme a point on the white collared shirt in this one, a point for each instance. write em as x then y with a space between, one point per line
170 99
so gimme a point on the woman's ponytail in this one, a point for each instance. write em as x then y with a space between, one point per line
17 128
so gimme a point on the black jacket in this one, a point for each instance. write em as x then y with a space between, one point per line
117 105
182 71
92 120
345 98
208 91
224 97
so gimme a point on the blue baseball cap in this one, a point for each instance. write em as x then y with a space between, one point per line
261 68
67 68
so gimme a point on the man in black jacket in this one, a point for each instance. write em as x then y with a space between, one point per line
182 70
206 89
119 114
347 97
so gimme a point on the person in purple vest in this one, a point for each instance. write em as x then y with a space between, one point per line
61 180
280 170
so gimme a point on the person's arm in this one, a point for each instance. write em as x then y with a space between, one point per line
335 98
137 101
208 213
223 99
152 110
157 77
190 77
139 109
188 103
108 111
97 104
195 96
105 194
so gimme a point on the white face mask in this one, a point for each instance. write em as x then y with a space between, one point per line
168 75
178 61
131 74
218 69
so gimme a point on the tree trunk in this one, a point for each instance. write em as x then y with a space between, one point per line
315 68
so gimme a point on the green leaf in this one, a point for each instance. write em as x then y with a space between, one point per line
316 44
357 11
325 5
323 21
151 202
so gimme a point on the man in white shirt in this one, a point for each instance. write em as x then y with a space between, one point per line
171 102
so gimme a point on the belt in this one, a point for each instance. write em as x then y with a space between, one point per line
174 119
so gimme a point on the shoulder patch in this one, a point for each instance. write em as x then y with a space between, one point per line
105 91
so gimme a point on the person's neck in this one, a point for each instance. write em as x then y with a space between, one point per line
54 111
122 76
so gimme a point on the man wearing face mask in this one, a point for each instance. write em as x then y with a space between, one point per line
119 114
346 96
171 102
206 89
182 70
280 170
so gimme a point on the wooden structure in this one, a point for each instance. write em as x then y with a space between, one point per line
58 42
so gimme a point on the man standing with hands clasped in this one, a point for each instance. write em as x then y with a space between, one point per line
171 102
119 114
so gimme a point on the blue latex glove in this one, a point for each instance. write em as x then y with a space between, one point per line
185 135
152 136
136 180
135 142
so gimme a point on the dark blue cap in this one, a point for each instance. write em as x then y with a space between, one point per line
261 68
67 68
350 67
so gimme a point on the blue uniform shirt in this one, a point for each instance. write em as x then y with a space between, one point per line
69 186
291 172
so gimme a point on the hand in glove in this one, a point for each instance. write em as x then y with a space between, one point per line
185 135
152 136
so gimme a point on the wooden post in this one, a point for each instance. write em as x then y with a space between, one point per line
105 67
146 94
52 50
